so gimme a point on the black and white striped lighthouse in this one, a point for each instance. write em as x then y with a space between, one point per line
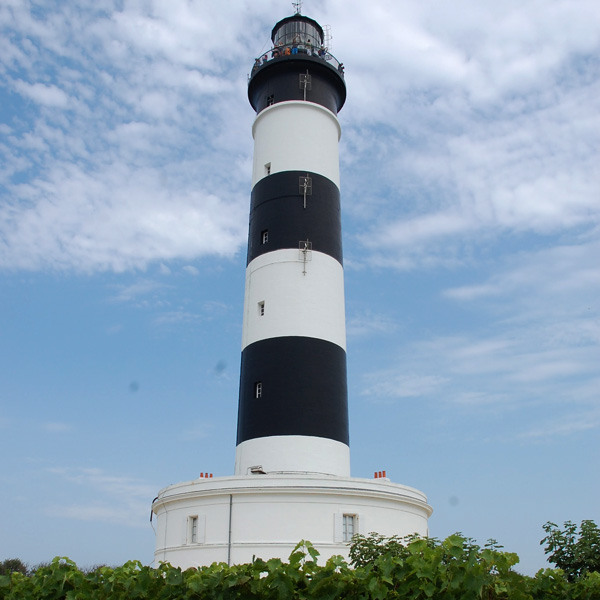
292 477
293 409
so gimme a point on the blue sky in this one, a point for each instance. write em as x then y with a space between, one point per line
470 190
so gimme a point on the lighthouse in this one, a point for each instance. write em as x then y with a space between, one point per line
292 477
293 406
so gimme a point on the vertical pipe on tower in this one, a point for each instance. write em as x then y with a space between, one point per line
293 408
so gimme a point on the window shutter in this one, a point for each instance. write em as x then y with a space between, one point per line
338 535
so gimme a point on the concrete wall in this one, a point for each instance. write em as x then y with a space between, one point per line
296 135
269 514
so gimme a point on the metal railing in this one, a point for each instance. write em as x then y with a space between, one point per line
298 50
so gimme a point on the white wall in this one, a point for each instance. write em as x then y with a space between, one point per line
296 136
293 453
271 514
296 304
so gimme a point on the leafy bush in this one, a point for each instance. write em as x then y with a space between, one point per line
575 553
384 568
13 565
455 568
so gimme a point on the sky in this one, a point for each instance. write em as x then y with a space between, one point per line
470 156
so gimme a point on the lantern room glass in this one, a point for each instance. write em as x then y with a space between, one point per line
297 32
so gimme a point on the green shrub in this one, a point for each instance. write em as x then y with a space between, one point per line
380 568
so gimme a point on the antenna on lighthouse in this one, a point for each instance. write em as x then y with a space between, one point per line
327 36
297 7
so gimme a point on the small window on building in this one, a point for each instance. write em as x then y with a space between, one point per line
270 100
193 525
264 236
268 168
196 529
258 389
261 309
348 527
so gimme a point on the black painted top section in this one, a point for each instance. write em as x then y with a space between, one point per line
277 206
304 389
278 80
295 24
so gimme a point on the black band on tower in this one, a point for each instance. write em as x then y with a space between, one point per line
303 389
278 208
278 81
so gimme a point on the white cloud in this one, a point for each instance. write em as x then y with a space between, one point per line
462 124
57 427
177 316
197 431
368 323
116 499
526 366
114 220
48 95
561 279
131 176
502 143
214 308
191 270
564 426
391 384
533 346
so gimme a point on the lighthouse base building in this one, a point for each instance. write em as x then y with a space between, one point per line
233 519
292 470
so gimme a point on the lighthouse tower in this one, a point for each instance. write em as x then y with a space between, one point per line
292 467
293 410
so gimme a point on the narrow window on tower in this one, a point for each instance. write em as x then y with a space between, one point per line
258 389
270 100
196 529
264 236
348 526
193 530
261 309
268 168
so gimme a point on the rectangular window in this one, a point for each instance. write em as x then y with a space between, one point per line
193 530
196 529
258 389
348 526
261 309
264 236
268 168
270 100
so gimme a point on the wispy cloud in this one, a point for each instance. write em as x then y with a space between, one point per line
57 427
391 384
116 167
178 316
112 499
564 426
136 290
479 139
190 270
197 431
558 273
113 184
368 323
48 95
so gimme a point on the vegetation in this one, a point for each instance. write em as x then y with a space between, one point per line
575 553
379 568
13 565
